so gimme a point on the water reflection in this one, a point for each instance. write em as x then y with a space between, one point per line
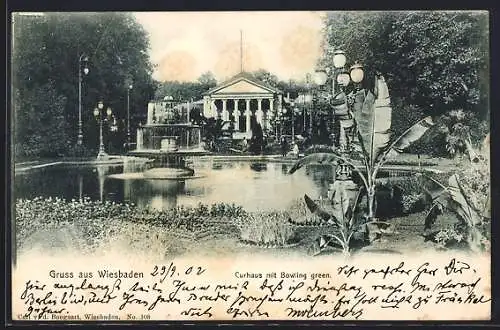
80 186
258 167
284 168
217 166
256 186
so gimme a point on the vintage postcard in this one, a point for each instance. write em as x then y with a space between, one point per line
252 165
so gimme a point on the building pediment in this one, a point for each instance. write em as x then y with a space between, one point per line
242 87
242 83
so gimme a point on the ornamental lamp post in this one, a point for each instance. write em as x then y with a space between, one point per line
129 88
320 78
283 113
339 60
356 75
83 59
98 113
303 112
292 108
309 107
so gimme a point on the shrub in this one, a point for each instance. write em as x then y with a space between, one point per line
467 194
266 228
412 203
96 222
475 181
79 151
297 210
449 236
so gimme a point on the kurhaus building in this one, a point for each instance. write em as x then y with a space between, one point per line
239 99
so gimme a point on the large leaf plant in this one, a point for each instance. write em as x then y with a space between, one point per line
372 114
467 195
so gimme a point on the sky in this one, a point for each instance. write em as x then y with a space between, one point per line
183 45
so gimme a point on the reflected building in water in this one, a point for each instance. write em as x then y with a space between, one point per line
255 186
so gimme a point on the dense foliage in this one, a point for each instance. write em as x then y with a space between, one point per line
185 91
466 194
45 63
434 62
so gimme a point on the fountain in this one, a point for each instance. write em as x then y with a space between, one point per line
168 138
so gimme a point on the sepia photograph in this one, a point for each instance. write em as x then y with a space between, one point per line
250 165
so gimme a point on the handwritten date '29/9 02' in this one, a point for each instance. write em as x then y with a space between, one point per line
347 292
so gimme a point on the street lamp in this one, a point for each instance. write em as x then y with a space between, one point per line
283 113
83 59
98 113
303 113
292 108
357 73
309 107
320 78
339 60
129 88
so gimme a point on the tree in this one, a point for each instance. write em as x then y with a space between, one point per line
447 53
207 80
48 47
182 91
434 61
44 129
266 77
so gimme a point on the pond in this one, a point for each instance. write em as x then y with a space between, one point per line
253 185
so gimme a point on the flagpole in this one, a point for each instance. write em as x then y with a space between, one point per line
241 50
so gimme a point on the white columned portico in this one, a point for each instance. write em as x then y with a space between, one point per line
236 114
247 113
225 113
238 88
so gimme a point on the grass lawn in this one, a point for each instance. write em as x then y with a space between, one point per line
407 239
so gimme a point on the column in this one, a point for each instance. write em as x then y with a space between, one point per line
206 106
247 113
236 114
139 139
151 112
259 114
271 111
213 108
225 113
